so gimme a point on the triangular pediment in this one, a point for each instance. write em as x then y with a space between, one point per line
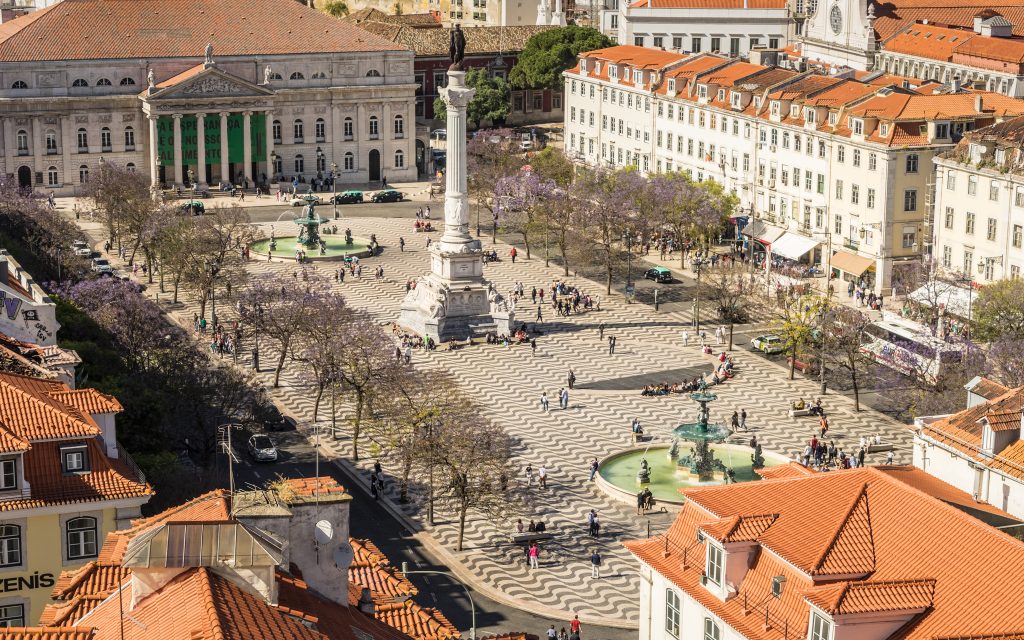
207 82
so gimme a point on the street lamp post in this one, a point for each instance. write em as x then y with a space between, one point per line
192 184
334 188
628 238
472 605
214 267
697 264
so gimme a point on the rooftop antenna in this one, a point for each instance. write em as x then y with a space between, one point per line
224 435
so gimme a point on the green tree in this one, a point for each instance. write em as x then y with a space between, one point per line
795 320
336 8
493 99
999 311
549 53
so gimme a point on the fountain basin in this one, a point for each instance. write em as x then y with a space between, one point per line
616 474
336 248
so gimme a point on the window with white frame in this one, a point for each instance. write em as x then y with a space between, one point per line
105 139
713 567
83 173
300 164
910 200
711 630
399 126
972 185
1018 232
347 127
969 223
820 628
673 612
993 190
129 139
80 536
12 615
399 159
275 131
10 545
51 177
374 127
51 142
912 163
83 141
349 162
73 459
8 474
990 230
298 131
320 130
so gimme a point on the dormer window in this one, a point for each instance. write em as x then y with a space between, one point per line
8 474
858 127
713 567
702 91
757 103
820 627
583 65
810 116
775 107
597 68
73 459
672 86
721 94
613 72
883 130
638 77
941 130
833 117
794 110
1000 155
736 104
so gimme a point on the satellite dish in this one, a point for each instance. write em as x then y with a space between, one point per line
323 532
343 555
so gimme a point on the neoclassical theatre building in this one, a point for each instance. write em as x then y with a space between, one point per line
277 89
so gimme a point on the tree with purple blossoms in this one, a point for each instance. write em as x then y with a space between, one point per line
520 199
694 210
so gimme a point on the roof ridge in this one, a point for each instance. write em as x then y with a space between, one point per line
50 408
842 526
213 614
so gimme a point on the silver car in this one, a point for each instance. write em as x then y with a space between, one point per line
262 448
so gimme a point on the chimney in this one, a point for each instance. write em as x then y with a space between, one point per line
977 103
977 23
366 602
955 86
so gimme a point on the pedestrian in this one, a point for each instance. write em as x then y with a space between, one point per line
512 253
591 522
595 564
571 379
743 419
686 339
544 401
401 244
552 634
889 457
533 346
640 502
542 475
564 398
540 316
735 421
593 469
600 331
529 475
611 345
574 627
534 554
860 456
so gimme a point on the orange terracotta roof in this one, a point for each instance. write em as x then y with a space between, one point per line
119 29
89 401
963 430
788 470
29 411
181 77
420 623
846 598
334 621
640 57
107 479
708 4
892 18
841 93
804 86
928 41
310 487
988 389
732 73
42 633
739 528
79 591
976 569
901 106
929 484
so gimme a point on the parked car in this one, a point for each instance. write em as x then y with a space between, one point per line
301 201
193 207
658 274
262 448
351 196
81 248
388 195
768 344
102 266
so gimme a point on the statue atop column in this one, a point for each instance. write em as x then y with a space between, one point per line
456 48
209 54
151 79
267 73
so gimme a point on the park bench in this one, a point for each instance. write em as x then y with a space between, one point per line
796 413
876 448
526 537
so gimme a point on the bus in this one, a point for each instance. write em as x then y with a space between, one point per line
909 348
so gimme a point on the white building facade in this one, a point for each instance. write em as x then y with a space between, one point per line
979 205
279 115
843 164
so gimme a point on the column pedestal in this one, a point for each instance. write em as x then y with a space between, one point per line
454 300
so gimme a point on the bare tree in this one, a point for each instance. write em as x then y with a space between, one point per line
213 252
317 345
843 337
730 289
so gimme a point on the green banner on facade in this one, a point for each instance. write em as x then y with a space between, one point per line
190 138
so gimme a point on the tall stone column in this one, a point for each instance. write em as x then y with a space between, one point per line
457 97
38 149
247 145
177 150
270 147
225 171
201 150
154 153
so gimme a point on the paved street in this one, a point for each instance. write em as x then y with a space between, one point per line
508 383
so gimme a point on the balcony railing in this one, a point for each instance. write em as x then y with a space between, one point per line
123 453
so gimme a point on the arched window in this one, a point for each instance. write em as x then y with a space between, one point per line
51 177
296 76
350 162
279 165
105 141
51 141
10 545
399 159
711 630
83 174
297 130
22 142
127 82
321 163
374 128
81 537
19 84
103 82
349 129
321 130
80 83
276 76
300 164
275 131
399 127
130 167
319 75
83 141
373 73
129 139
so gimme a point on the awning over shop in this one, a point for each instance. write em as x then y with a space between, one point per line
762 231
793 245
851 263
953 298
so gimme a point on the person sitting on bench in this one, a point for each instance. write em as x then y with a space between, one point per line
799 405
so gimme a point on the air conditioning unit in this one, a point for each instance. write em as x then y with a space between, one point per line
777 583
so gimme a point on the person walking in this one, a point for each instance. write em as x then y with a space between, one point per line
571 379
743 419
574 627
540 316
735 421
593 469
534 555
552 634
592 523
561 399
600 331
513 253
686 338
565 398
611 345
544 406
595 564
533 346
401 244
542 475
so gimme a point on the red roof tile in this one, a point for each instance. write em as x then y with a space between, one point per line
40 633
146 29
420 623
739 528
29 411
708 4
845 598
89 401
